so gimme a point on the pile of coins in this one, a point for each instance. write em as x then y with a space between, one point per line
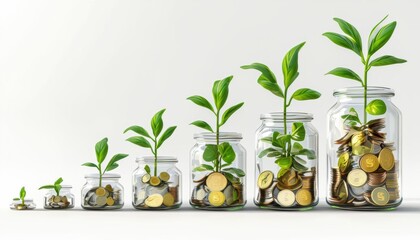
103 197
367 172
156 192
291 190
216 191
57 202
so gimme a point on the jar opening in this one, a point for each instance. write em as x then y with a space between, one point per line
291 116
222 136
358 92
105 176
160 159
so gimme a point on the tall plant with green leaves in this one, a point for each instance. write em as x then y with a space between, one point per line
219 155
156 141
286 148
378 37
56 186
101 149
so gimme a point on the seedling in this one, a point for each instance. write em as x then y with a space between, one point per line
22 196
56 186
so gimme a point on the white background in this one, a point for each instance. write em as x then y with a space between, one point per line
73 72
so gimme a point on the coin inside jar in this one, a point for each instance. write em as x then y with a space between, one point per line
303 197
101 201
164 176
265 179
216 198
216 181
380 196
344 162
369 163
57 199
342 192
145 178
100 192
110 201
386 159
154 200
168 200
357 178
154 181
286 198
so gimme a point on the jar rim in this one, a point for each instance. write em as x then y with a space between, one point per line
372 91
291 116
222 136
161 159
106 175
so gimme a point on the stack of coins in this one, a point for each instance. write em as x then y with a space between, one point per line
57 202
103 198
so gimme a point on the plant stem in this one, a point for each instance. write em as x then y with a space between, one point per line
155 168
100 175
365 90
285 115
217 140
23 201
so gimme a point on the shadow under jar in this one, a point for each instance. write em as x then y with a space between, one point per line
102 195
364 155
157 190
217 184
63 201
286 167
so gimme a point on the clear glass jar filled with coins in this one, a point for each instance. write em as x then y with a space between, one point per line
102 193
157 189
364 150
286 162
64 200
218 163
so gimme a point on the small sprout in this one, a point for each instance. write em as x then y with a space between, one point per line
56 186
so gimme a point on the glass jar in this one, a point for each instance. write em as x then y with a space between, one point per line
160 189
364 155
218 184
102 195
63 201
18 205
286 167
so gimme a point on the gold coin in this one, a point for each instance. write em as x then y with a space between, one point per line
21 207
344 162
216 181
216 198
145 178
110 201
357 178
64 199
369 163
164 176
57 199
342 192
168 200
265 179
380 196
101 201
154 181
386 159
109 188
286 198
303 197
357 139
154 200
360 150
100 192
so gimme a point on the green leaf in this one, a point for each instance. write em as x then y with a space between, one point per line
236 171
270 86
59 181
139 130
202 168
227 152
299 167
46 187
111 167
210 153
381 37
202 124
112 164
221 91
290 65
281 172
352 32
201 101
147 169
140 141
345 73
281 141
266 151
298 131
267 79
229 112
57 188
305 94
101 149
310 154
231 178
352 116
376 107
88 164
284 162
274 154
157 122
342 41
168 133
386 60
22 193
299 160
296 147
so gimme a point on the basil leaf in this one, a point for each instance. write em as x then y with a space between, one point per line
228 113
345 73
101 149
88 164
305 94
221 91
236 171
201 101
112 164
290 65
284 162
298 131
352 32
386 60
140 141
227 152
381 37
202 124
147 169
166 135
202 168
376 107
210 153
267 79
273 87
342 41
157 122
139 130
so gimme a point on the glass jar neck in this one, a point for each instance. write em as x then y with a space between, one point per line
279 118
213 138
358 94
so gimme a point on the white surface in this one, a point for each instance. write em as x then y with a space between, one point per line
73 72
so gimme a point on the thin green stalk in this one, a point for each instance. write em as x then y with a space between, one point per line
100 175
155 153
217 140
365 90
23 201
285 114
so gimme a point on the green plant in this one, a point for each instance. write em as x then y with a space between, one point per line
101 149
22 196
221 155
56 186
378 37
157 126
284 150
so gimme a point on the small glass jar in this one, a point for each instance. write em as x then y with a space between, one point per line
28 205
102 195
63 201
364 151
217 184
160 189
286 172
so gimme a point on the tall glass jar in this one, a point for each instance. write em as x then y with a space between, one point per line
102 195
286 160
160 189
63 201
218 184
364 155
